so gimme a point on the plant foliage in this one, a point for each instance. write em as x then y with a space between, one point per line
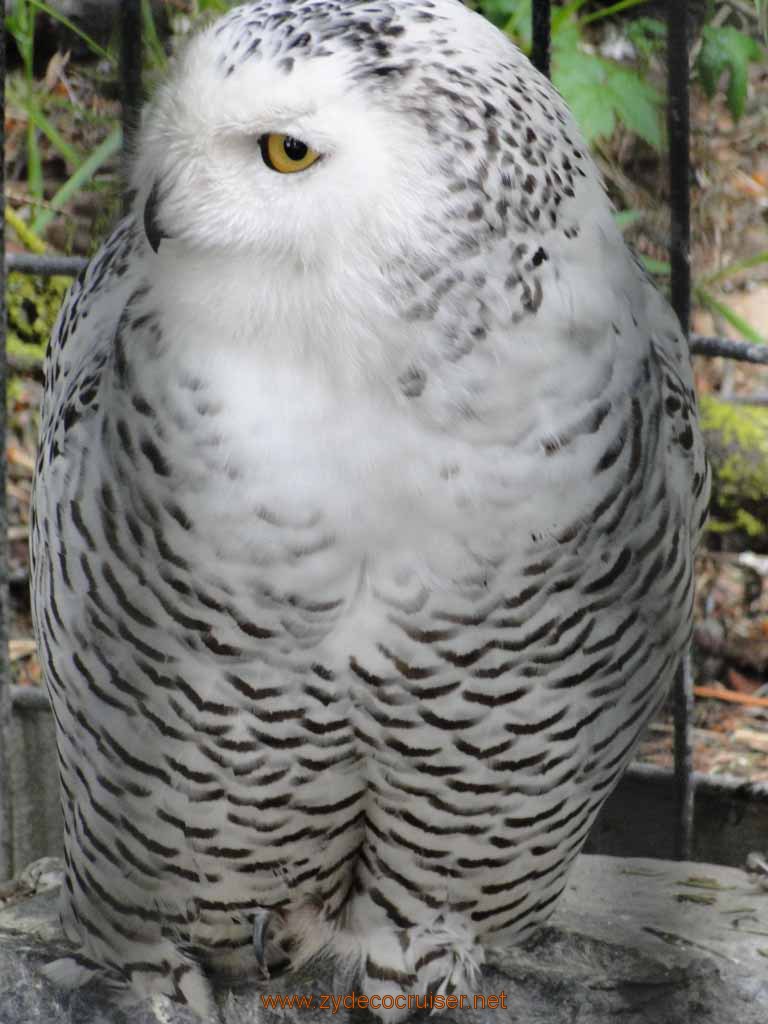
604 93
726 51
601 92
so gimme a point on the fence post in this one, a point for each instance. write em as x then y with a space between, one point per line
6 811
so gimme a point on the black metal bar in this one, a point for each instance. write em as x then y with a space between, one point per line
542 21
685 786
716 784
679 255
45 266
6 811
679 158
760 399
130 76
30 698
744 351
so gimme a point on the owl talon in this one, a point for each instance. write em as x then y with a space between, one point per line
260 925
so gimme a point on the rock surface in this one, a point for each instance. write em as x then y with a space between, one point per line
635 941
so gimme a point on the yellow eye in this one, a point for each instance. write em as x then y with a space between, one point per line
286 155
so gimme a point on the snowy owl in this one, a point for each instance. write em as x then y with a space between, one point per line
367 494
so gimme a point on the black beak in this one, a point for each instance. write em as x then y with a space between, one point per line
153 231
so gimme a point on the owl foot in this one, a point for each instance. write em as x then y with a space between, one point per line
185 983
404 970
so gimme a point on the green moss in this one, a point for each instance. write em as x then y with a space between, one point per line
741 521
15 390
749 523
33 305
737 436
747 425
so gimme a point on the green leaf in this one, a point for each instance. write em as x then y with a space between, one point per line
725 50
26 235
153 46
89 42
34 163
648 36
519 24
567 37
105 151
498 11
562 15
47 127
737 90
21 24
606 12
636 103
736 268
600 92
581 78
745 330
762 15
628 218
659 267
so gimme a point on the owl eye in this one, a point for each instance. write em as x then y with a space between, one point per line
286 155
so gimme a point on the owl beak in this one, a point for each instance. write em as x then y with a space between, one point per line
154 232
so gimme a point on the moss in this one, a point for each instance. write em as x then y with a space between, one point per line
741 521
749 523
33 305
737 438
15 390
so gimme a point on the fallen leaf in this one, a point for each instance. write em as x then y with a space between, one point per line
702 883
720 693
56 66
741 683
18 457
752 738
746 184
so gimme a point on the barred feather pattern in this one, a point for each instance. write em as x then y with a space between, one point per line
350 625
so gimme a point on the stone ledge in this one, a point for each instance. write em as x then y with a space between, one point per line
636 941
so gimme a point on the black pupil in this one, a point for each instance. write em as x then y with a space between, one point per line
294 149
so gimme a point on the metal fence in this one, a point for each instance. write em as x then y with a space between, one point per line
17 702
